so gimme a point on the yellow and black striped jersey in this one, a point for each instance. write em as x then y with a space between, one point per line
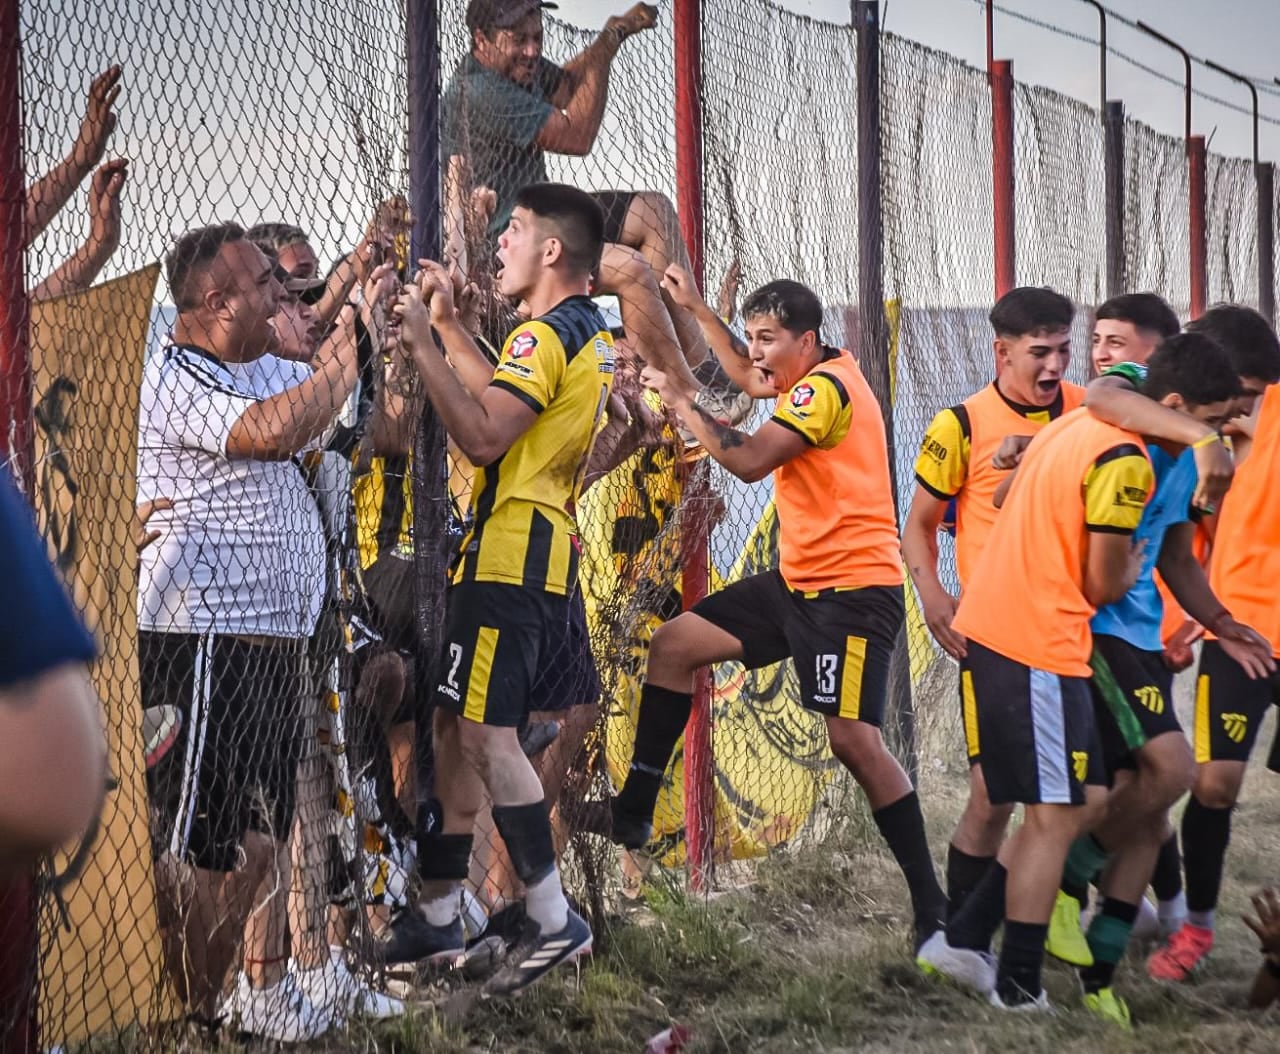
523 505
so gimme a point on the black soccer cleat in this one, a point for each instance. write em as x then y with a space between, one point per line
536 953
414 940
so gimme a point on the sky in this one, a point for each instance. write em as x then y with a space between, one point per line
1241 34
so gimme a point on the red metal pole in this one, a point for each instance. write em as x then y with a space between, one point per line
688 65
1002 174
17 894
699 765
1196 186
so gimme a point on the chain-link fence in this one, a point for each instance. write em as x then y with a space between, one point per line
238 530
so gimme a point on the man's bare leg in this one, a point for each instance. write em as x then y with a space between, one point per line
652 227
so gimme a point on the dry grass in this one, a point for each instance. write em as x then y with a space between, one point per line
806 952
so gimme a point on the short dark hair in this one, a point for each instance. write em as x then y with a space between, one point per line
1245 336
795 306
190 258
1142 311
1031 309
574 215
272 237
1194 366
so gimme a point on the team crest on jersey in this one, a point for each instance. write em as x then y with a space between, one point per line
802 395
523 344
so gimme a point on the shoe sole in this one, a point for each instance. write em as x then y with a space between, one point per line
1079 961
440 962
581 951
1189 975
934 974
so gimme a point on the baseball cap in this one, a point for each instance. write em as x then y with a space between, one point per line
307 290
502 14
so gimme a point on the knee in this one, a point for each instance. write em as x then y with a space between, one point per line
1215 788
1172 776
858 745
669 654
1094 810
624 270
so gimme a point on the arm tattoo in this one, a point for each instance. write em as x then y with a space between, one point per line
728 437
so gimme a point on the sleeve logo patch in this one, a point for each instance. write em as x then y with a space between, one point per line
802 395
523 344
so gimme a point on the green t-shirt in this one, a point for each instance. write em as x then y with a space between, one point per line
494 122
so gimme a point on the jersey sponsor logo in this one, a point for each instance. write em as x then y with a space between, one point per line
517 368
1235 726
604 356
933 449
802 395
1128 497
1080 764
523 344
1150 697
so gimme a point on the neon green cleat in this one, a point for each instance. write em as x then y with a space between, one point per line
1066 939
1107 1006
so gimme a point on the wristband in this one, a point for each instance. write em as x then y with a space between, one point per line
1272 966
1205 441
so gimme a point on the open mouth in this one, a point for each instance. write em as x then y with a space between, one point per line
1048 387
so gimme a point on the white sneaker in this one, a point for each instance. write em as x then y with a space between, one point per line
1039 1005
281 1012
335 988
976 970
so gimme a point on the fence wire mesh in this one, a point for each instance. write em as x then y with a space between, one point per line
259 664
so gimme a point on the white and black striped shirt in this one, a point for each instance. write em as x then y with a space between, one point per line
242 550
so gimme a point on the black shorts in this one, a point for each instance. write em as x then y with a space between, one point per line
1230 708
1039 743
244 730
1132 694
615 204
388 586
842 640
509 650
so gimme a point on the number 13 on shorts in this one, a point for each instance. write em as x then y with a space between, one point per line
837 685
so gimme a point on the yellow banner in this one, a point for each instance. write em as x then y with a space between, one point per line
101 961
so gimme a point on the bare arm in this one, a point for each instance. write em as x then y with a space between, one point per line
84 265
581 97
277 428
50 736
49 194
920 551
749 456
1113 400
1111 567
729 349
482 427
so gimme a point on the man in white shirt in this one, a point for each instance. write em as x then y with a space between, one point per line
227 598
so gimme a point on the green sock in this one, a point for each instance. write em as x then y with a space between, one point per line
1084 861
1108 936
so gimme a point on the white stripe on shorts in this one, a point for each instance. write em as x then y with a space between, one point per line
201 689
1048 724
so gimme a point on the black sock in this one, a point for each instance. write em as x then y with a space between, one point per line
663 715
1205 834
964 872
526 829
1021 957
902 826
1108 936
976 923
1072 889
1167 878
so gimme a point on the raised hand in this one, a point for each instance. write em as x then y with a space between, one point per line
104 203
681 287
99 119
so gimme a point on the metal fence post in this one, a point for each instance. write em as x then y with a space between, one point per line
873 326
